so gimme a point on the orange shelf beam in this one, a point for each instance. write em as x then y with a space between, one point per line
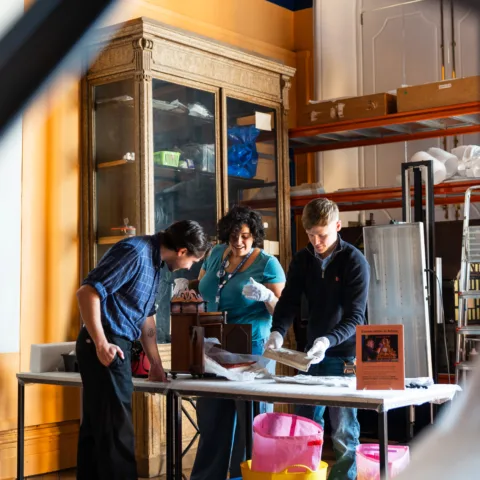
449 193
392 128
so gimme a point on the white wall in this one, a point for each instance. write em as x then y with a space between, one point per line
336 75
10 213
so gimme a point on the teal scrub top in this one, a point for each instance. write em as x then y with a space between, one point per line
264 269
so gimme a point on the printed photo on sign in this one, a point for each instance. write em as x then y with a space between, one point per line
379 348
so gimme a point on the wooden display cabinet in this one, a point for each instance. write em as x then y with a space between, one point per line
162 109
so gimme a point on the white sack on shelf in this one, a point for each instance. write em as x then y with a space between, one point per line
439 169
459 152
465 153
472 168
468 160
448 159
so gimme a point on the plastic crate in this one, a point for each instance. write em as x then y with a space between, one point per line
166 159
368 461
295 472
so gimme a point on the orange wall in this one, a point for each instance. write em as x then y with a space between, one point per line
50 198
255 25
50 237
50 270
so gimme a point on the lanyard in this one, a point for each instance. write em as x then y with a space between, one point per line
224 277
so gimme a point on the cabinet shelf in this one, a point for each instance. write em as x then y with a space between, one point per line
120 101
398 127
112 239
186 174
126 101
113 163
185 115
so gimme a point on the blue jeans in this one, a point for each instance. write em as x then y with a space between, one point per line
344 423
221 422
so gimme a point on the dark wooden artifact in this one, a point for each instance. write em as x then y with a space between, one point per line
189 331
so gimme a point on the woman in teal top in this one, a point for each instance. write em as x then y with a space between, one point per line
240 278
243 308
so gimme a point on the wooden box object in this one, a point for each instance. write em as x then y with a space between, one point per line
352 108
189 331
439 94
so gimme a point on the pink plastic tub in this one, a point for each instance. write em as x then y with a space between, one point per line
368 461
281 440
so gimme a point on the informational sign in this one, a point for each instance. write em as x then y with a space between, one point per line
380 357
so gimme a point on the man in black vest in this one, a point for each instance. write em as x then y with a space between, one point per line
334 277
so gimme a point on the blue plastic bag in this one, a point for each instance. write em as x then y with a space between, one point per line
242 152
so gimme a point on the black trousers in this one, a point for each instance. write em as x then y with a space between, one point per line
106 446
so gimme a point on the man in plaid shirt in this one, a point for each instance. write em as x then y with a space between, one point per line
117 305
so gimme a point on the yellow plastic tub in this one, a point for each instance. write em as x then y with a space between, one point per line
307 474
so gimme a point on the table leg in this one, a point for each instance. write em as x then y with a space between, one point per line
248 429
256 409
383 444
170 434
177 415
411 423
20 430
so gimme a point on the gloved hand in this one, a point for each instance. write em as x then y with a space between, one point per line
258 292
275 340
320 346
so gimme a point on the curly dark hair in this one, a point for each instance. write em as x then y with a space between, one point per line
232 223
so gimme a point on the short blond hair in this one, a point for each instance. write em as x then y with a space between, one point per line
319 213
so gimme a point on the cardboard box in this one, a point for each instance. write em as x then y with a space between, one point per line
262 121
438 94
353 108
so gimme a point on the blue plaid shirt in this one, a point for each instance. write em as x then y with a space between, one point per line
127 280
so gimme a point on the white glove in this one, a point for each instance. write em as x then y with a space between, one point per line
320 346
258 292
275 340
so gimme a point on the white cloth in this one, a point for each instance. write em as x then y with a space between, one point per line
345 382
216 357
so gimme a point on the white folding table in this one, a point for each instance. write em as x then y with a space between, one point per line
269 391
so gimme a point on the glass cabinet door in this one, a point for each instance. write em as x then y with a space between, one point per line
185 172
114 158
252 163
184 155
